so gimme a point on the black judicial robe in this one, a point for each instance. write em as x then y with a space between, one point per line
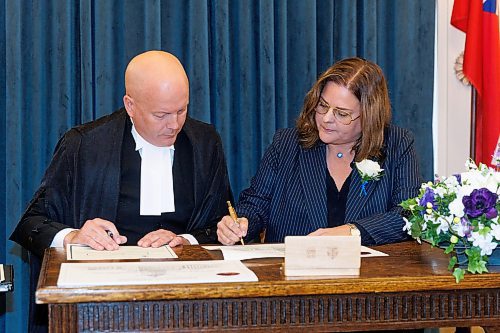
128 221
83 182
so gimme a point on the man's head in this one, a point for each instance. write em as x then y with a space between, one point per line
157 96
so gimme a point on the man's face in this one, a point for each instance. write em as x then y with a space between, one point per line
158 117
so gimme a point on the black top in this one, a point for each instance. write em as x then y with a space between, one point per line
128 220
336 201
336 205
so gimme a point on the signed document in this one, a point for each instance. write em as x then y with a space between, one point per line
146 273
82 252
254 251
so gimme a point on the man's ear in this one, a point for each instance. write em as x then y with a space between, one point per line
128 102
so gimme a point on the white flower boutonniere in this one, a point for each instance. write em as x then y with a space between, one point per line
369 170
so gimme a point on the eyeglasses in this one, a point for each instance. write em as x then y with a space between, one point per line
340 115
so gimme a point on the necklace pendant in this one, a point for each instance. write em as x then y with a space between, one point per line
340 155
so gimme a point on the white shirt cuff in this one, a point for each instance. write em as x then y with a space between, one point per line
190 238
58 240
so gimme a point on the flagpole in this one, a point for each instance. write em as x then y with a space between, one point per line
473 123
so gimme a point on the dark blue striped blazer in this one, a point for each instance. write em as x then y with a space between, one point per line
287 196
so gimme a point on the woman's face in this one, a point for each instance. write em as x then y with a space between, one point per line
341 124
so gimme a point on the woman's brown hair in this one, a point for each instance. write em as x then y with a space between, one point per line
365 80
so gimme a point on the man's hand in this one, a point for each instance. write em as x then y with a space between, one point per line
161 237
342 230
179 240
230 232
94 234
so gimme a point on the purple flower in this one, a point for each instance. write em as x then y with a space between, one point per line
428 197
459 178
479 202
467 227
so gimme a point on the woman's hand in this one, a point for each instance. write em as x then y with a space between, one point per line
342 230
229 232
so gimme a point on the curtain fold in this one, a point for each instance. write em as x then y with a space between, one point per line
3 197
250 64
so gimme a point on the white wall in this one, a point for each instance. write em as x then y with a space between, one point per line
451 98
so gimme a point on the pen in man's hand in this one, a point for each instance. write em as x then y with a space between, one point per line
110 234
233 215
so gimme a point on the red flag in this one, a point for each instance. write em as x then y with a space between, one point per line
479 20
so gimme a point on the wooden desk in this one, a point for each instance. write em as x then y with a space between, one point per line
411 288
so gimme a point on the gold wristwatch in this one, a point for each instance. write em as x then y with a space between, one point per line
354 230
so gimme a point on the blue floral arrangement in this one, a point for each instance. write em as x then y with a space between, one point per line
461 214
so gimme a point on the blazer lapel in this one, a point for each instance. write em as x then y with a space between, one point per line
312 163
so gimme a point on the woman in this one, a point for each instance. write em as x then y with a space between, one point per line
307 182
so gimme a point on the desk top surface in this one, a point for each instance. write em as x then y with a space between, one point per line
409 267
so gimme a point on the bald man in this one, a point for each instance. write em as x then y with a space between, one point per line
146 175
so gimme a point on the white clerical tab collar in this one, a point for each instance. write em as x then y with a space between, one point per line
157 186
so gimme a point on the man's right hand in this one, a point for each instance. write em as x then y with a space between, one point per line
230 232
94 233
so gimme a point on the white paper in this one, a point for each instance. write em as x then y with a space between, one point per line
368 252
146 273
254 251
2 273
82 252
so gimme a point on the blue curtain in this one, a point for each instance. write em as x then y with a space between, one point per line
250 64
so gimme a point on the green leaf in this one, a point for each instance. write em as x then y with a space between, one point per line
453 262
416 230
477 262
450 248
477 266
473 253
485 231
458 273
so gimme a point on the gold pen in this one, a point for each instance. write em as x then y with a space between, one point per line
233 215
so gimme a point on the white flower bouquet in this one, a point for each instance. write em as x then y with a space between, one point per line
459 213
